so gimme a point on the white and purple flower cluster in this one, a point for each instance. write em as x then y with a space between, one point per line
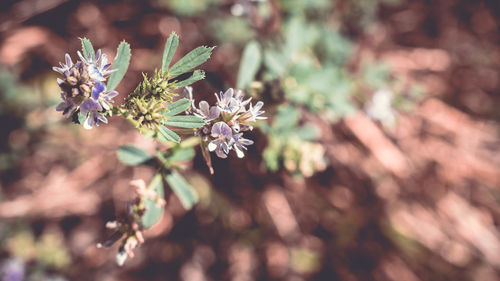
83 88
226 121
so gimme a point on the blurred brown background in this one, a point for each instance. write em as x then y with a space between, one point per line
419 201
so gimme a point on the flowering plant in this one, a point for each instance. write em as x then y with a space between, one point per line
88 88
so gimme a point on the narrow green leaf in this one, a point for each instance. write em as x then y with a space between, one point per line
250 64
87 49
191 60
132 155
121 63
168 134
182 189
197 76
153 211
168 52
185 121
177 107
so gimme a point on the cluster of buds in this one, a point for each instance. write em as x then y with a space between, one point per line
226 121
145 106
84 90
130 225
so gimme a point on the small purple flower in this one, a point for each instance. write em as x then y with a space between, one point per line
104 98
222 134
64 66
98 67
91 108
253 113
226 102
225 122
239 98
239 144
67 106
207 112
107 98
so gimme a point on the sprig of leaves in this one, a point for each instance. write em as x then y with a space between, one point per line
133 156
191 60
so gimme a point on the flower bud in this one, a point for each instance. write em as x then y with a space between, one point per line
72 80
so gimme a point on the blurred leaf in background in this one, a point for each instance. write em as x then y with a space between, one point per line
187 7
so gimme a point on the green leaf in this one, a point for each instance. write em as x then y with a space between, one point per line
153 211
197 76
191 60
168 52
87 49
250 64
168 134
121 63
294 35
177 107
132 155
275 62
182 189
185 121
181 154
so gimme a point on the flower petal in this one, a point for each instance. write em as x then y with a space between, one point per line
111 94
214 113
227 96
245 141
69 62
204 108
224 147
216 129
225 130
82 58
97 55
220 153
187 92
258 106
89 123
239 153
104 60
102 118
212 145
58 69
105 105
97 89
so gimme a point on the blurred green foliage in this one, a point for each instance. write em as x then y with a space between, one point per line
22 108
292 144
233 29
48 251
305 260
311 60
187 7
